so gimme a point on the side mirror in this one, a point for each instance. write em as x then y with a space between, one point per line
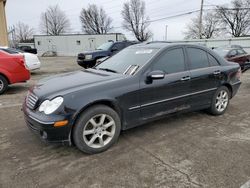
114 49
155 75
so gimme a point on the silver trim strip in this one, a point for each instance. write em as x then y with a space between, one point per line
135 107
173 98
239 82
42 122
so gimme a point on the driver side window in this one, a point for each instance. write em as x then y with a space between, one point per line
171 61
118 46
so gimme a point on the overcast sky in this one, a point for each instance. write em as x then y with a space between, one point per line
29 11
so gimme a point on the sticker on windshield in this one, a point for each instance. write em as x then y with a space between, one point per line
148 51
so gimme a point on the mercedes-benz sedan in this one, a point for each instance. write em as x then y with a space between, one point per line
141 83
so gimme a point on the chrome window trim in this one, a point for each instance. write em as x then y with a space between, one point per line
173 98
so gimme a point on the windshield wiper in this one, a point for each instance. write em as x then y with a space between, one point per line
108 70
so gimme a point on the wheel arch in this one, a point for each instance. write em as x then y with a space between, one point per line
230 88
105 102
1 74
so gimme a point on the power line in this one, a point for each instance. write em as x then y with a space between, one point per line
168 17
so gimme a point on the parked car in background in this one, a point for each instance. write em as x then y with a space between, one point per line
141 83
98 61
237 55
31 60
12 70
88 59
28 49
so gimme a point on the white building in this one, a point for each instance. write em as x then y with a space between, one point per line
72 44
242 41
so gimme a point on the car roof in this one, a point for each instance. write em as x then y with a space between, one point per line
165 44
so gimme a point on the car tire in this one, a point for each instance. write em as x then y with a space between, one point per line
3 84
220 101
97 129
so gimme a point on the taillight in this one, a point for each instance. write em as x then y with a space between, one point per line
238 74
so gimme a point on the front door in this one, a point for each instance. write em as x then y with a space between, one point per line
169 94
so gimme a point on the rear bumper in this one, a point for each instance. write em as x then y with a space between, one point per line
34 66
235 88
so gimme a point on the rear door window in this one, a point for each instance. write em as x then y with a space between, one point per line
212 60
240 52
197 58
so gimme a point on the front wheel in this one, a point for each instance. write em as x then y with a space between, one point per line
220 101
97 129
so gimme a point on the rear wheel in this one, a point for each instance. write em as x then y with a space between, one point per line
97 129
220 101
3 84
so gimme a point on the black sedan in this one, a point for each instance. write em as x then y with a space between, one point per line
141 83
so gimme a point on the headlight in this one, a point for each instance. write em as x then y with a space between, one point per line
48 107
88 57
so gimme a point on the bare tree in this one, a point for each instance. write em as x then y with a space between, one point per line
23 32
54 21
135 20
237 18
210 27
94 20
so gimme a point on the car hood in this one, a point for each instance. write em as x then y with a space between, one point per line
66 83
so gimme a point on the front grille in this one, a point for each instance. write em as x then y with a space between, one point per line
81 56
31 101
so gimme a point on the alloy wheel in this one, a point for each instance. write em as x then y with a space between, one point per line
1 85
99 131
221 101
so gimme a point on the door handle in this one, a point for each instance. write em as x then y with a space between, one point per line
185 78
217 72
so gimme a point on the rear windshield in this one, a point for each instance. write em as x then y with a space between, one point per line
9 50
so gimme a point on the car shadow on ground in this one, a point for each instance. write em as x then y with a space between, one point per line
127 138
15 89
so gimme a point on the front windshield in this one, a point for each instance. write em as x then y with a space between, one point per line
221 52
128 57
105 46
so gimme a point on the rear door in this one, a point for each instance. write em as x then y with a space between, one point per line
205 74
166 95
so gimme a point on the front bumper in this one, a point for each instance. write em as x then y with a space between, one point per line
86 63
45 128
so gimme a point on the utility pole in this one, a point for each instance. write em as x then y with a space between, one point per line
46 21
166 33
200 21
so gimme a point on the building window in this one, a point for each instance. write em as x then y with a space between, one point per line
78 42
39 43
